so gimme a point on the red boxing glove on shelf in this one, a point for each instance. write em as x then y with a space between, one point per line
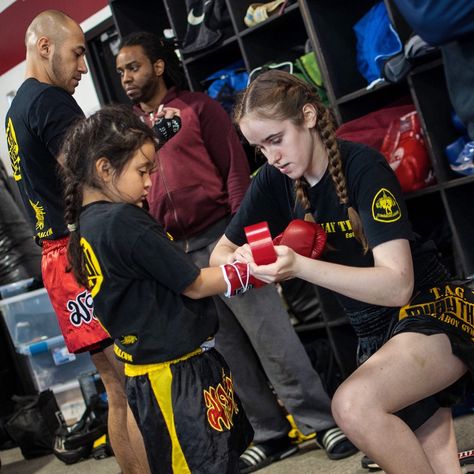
305 238
405 150
238 279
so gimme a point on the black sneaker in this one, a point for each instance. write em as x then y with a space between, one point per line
466 457
260 455
335 443
367 463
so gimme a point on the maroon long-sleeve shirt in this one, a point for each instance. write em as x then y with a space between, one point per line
203 171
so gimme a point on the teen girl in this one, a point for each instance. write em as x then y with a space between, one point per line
411 350
145 294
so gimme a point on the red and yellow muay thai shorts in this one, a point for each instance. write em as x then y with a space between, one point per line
72 303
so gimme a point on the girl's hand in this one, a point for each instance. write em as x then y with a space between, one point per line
241 254
284 268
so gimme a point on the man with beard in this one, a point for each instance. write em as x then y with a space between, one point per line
36 122
202 175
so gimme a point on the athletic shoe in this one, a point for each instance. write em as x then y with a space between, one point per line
466 457
367 463
259 455
335 443
460 155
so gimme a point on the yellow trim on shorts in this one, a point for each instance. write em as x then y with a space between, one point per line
134 370
161 381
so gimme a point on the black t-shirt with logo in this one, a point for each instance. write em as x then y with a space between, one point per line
373 191
36 122
137 275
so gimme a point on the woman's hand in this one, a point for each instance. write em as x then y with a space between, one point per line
241 254
284 268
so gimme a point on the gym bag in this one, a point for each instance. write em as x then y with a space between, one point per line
34 423
224 84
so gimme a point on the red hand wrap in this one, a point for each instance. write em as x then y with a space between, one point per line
238 279
260 241
305 238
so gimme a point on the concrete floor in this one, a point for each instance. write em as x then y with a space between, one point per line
308 461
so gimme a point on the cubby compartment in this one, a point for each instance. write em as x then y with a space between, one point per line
220 25
138 15
203 65
432 101
239 10
260 43
429 220
364 101
333 23
461 210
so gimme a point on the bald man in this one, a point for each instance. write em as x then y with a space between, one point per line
36 122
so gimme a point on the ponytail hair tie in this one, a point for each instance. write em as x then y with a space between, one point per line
72 227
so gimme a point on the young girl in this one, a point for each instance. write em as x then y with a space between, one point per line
375 265
145 294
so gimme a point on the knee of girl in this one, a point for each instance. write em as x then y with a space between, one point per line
349 409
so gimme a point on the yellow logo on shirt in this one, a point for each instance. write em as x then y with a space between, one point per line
92 267
128 339
13 150
385 207
40 220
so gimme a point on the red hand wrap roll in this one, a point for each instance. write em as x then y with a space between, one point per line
261 244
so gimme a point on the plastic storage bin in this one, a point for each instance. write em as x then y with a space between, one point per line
30 317
70 401
51 365
13 289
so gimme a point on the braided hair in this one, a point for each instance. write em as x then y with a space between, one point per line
278 95
115 133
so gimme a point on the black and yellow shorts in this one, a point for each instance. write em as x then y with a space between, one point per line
190 418
448 309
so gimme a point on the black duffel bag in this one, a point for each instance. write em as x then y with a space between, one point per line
34 423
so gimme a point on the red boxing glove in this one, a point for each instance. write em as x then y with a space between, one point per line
305 238
405 150
238 279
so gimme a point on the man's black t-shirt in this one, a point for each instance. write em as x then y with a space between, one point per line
373 191
35 124
137 275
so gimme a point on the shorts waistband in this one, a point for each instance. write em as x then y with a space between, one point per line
49 245
132 370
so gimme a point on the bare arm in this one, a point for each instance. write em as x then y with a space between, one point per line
208 283
388 283
223 252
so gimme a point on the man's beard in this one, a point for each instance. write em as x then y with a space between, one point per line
147 92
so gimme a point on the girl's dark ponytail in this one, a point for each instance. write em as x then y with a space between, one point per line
73 203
